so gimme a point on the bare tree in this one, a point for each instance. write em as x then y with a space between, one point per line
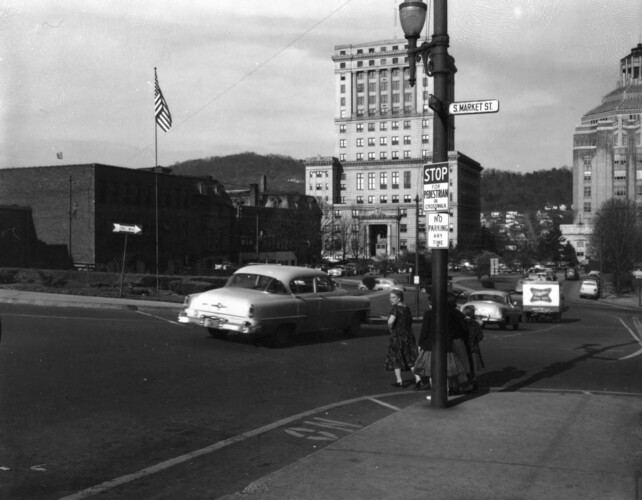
616 237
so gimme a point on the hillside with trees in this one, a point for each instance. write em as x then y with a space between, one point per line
500 190
284 173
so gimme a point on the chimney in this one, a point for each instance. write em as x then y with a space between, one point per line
263 184
254 195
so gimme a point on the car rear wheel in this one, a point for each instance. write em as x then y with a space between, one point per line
516 324
502 324
353 326
282 336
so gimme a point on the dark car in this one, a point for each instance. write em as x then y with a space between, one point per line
571 273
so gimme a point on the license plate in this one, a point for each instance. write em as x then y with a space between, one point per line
212 323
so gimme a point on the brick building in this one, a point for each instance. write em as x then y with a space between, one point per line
277 227
73 209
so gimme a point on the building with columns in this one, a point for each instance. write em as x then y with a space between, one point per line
607 153
374 181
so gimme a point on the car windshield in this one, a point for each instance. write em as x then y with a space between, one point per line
488 297
256 282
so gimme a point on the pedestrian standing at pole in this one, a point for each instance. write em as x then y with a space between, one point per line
402 349
422 365
475 336
458 333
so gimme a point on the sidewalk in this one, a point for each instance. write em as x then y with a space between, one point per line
499 445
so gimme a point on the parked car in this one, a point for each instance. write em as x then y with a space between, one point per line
336 271
589 289
383 284
494 307
278 302
571 274
595 274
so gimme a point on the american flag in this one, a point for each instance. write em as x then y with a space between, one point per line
163 117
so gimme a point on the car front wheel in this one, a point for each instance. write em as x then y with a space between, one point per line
353 326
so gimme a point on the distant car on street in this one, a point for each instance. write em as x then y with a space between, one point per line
590 289
494 307
383 284
336 271
571 274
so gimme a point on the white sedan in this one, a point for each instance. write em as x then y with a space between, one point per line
494 307
276 301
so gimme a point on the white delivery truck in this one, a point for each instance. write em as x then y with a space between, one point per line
542 300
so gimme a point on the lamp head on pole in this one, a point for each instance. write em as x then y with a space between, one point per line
412 16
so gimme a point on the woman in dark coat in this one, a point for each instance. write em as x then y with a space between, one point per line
402 349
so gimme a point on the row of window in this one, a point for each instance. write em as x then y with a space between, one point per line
383 141
383 61
383 155
383 126
371 50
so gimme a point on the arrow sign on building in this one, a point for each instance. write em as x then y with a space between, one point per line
127 228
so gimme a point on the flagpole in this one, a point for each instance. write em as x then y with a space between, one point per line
156 184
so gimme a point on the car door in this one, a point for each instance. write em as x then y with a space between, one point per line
304 291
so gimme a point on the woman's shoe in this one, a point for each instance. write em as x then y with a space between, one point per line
396 384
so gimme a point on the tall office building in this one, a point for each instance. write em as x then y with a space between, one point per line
374 181
607 152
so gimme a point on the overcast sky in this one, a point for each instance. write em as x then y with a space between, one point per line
77 76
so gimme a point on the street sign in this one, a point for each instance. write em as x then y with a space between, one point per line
472 107
438 229
127 228
436 197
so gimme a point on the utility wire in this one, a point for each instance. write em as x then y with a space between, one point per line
255 69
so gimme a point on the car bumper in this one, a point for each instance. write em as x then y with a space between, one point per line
239 325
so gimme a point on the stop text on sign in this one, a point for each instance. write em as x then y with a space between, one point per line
436 185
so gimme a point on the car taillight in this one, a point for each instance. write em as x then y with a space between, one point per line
186 300
251 311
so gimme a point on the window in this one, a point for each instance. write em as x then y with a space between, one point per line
342 129
342 65
371 198
395 86
359 200
342 143
395 180
383 126
407 198
359 156
360 75
383 180
383 141
360 87
425 153
359 64
383 155
343 88
371 127
372 87
371 155
383 199
619 174
406 154
407 97
587 165
406 180
359 127
619 191
638 190
371 141
425 123
394 125
403 228
359 182
343 101
395 155
360 101
372 99
406 139
394 140
395 198
587 207
425 139
360 142
342 156
342 186
406 124
371 180
383 86
587 191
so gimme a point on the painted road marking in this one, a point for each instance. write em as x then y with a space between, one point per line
159 317
318 435
382 403
638 327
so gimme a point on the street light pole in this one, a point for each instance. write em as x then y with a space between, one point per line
417 287
440 65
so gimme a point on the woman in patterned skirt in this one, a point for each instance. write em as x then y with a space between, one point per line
402 349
